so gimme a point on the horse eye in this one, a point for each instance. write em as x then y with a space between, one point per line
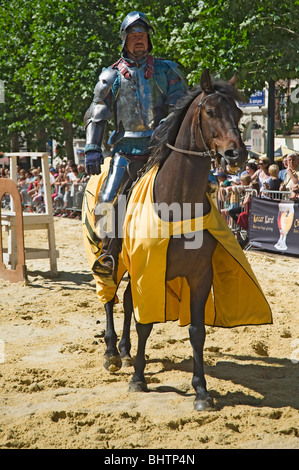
210 113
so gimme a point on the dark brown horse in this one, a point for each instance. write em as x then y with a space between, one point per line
207 122
204 125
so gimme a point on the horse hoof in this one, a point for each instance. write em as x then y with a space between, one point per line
206 404
127 361
112 363
138 387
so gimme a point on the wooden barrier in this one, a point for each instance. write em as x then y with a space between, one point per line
19 273
32 221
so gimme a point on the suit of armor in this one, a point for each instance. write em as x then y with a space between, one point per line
137 93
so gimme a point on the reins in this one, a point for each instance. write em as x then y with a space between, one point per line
208 152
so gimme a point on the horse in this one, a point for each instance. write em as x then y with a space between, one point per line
204 125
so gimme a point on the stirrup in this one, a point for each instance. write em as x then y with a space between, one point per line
101 269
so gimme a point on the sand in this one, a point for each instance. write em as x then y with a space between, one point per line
56 394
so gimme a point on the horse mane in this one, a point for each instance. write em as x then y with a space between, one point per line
167 131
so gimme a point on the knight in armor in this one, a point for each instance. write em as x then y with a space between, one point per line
138 91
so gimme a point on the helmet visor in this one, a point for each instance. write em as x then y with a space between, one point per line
138 27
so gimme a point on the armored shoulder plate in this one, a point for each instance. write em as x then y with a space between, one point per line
99 110
106 80
175 68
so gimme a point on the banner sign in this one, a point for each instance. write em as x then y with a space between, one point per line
274 225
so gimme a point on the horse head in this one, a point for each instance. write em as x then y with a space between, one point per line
218 119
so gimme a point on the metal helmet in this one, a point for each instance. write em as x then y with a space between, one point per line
136 22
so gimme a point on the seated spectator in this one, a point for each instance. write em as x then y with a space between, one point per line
250 168
237 209
72 172
282 173
66 198
53 175
21 181
77 191
58 201
295 193
244 216
21 174
223 183
28 176
37 194
262 174
275 182
82 175
292 173
34 174
232 194
23 187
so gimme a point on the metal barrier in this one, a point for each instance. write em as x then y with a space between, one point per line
230 198
76 194
240 195
277 195
71 202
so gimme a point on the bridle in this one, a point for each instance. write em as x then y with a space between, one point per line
211 153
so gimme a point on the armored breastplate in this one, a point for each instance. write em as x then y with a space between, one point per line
140 104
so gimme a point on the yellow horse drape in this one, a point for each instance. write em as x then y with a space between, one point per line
237 298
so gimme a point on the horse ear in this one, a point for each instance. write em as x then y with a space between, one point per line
234 79
205 82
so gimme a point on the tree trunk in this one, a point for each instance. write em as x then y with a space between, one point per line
68 136
271 120
15 147
41 139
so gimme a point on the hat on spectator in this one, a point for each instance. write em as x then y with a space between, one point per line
222 175
236 179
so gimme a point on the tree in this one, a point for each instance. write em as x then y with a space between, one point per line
15 115
52 52
257 38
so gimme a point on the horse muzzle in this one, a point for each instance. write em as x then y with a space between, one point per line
232 160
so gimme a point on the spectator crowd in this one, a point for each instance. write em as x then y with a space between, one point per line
261 178
67 181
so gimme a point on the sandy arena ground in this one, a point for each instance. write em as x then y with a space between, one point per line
55 393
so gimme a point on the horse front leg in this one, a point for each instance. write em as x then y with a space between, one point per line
197 334
138 382
125 343
112 360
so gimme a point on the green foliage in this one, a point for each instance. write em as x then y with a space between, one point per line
52 51
258 38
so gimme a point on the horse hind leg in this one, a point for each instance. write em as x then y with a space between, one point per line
138 382
125 343
112 360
